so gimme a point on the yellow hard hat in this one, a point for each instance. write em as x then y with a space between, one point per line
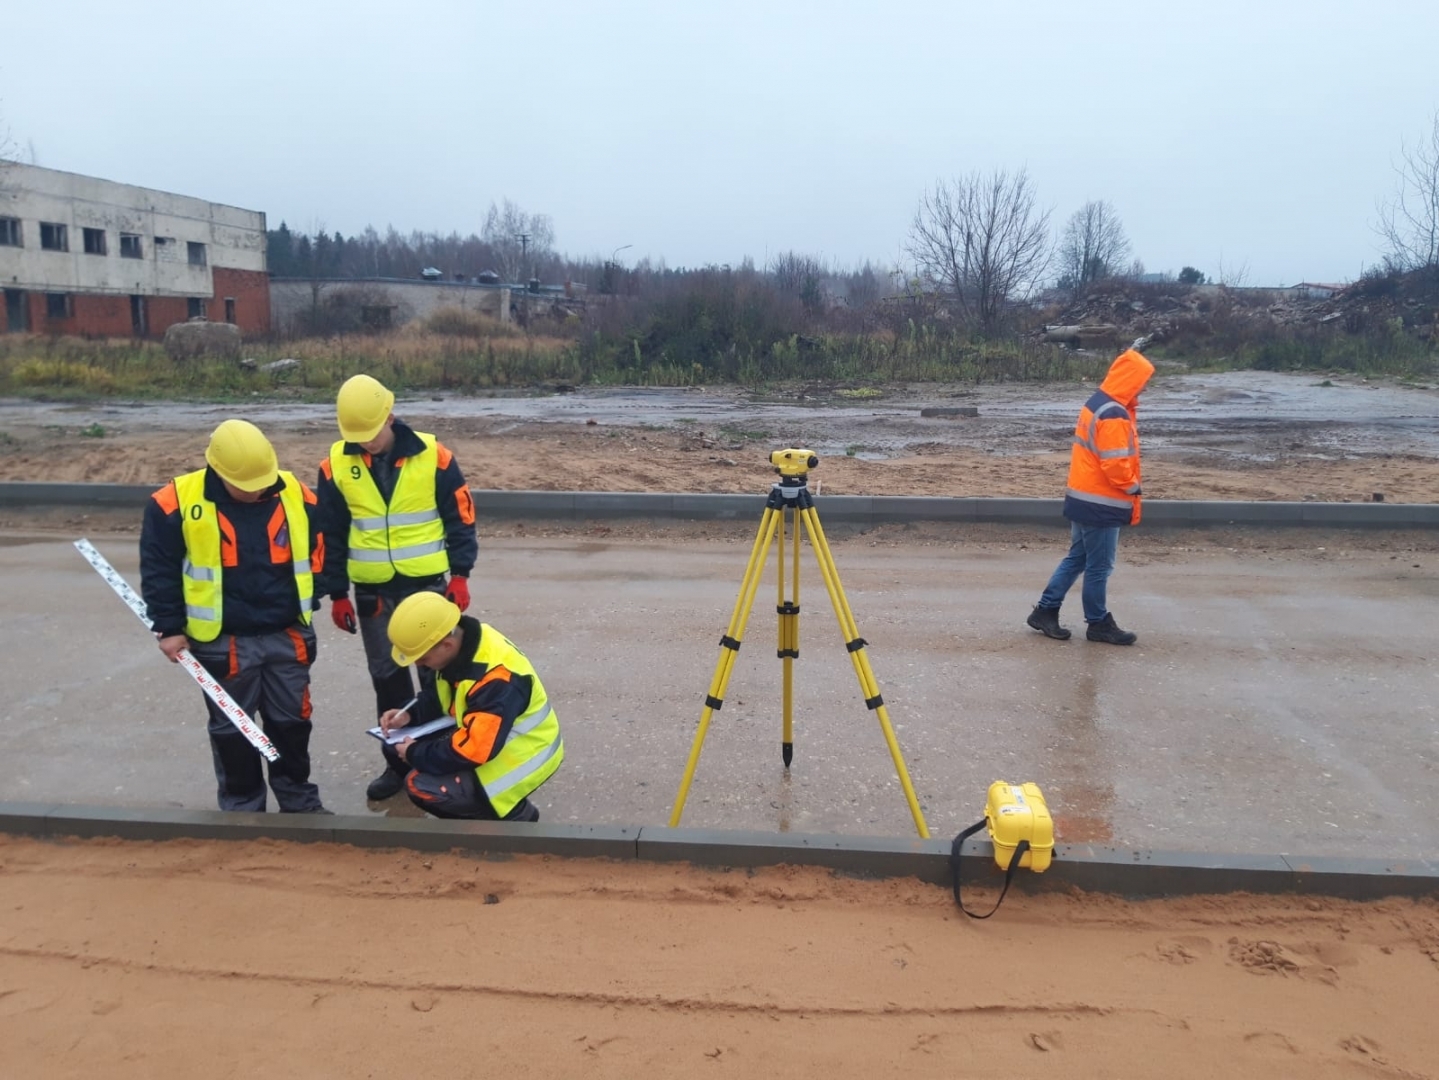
362 408
241 454
419 624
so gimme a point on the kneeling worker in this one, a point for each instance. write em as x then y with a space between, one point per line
506 740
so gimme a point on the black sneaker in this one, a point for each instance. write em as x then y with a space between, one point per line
384 786
1105 630
1046 621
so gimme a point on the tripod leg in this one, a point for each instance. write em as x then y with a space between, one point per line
788 611
855 644
729 647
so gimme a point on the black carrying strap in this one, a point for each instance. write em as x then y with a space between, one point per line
954 863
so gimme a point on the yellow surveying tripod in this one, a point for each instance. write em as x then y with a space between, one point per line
791 495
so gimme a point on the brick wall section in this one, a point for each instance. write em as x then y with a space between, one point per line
162 312
106 315
91 314
251 290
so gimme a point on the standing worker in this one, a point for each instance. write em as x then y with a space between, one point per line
226 560
399 517
1103 495
506 739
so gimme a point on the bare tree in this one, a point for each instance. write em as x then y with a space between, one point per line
802 275
1094 245
1409 218
1232 276
518 239
983 241
8 152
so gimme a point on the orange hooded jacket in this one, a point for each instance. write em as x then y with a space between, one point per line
1104 461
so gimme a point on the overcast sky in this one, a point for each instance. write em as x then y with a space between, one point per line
1256 136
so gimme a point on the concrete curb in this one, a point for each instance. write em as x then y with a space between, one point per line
847 509
1083 866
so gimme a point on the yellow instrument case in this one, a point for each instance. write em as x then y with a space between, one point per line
1015 812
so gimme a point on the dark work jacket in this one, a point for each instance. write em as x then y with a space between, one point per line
259 593
451 493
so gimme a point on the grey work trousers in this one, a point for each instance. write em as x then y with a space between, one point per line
268 675
393 685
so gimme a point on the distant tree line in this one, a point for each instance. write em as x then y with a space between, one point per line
982 259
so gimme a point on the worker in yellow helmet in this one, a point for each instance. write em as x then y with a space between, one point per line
399 519
505 741
228 555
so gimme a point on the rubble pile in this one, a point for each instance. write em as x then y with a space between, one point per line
1117 311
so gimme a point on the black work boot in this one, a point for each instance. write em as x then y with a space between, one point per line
1105 630
524 811
385 785
1046 621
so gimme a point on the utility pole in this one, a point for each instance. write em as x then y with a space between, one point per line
524 239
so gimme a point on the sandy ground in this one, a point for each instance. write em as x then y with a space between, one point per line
190 959
194 959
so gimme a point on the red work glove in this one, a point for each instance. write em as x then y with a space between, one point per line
457 592
343 614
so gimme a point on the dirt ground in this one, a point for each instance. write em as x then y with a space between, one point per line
1239 436
217 959
328 961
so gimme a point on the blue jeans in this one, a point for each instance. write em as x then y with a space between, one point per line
1092 549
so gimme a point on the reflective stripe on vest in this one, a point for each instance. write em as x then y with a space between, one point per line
1100 500
534 749
201 571
407 536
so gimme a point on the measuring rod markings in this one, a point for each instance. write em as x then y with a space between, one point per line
213 690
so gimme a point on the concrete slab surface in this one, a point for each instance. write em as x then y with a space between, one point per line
1279 701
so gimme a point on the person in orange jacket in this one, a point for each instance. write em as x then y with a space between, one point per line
1103 495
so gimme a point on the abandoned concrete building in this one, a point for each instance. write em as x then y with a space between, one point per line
81 255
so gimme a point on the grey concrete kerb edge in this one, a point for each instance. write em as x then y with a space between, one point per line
1083 866
848 509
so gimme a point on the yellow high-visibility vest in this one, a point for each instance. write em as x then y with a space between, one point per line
405 536
202 568
534 749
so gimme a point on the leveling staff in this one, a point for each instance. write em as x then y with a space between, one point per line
399 517
506 739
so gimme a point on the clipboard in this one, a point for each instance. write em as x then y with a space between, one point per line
414 731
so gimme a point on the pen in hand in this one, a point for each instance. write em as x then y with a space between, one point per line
405 708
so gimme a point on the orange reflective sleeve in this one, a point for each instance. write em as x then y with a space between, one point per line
1118 452
442 452
465 503
325 470
308 493
317 555
475 739
167 498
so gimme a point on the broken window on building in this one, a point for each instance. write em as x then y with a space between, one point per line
94 241
54 237
57 305
130 246
195 308
197 253
165 248
10 235
229 309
